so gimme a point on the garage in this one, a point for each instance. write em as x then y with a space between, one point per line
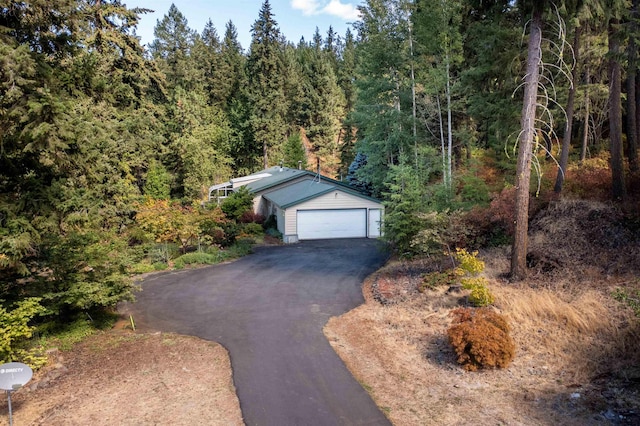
327 224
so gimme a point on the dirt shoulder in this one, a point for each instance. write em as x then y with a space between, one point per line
126 378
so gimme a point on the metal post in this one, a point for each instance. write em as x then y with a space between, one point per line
10 413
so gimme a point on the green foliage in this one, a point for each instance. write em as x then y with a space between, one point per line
294 152
469 262
480 294
273 232
481 339
473 191
469 268
266 90
404 205
242 247
439 231
71 334
433 280
629 298
15 330
468 273
253 229
158 182
237 203
196 258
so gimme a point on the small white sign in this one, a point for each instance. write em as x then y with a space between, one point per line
14 375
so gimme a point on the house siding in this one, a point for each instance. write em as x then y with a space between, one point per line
334 200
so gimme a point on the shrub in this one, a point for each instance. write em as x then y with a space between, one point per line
493 225
238 203
160 266
433 280
196 258
480 295
253 229
251 217
470 268
480 338
273 232
16 331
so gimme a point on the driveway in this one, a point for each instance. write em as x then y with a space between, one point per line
268 309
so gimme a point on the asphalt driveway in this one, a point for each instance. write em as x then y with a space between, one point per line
268 309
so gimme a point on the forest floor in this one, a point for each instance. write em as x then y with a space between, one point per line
577 348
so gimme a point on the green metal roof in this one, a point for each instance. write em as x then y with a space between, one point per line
293 194
278 175
297 193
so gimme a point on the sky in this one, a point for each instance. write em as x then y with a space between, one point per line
295 18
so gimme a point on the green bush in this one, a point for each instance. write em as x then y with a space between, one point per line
253 229
241 248
433 280
15 331
163 253
480 338
470 268
237 203
273 232
160 266
271 222
141 268
196 258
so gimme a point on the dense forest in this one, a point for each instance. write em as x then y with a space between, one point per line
455 113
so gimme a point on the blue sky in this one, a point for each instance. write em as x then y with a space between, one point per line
296 18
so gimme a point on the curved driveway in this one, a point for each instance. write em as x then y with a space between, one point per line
268 309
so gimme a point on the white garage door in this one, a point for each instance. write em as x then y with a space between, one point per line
324 224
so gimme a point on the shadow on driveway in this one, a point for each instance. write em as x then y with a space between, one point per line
268 309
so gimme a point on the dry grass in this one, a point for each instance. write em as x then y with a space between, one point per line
572 344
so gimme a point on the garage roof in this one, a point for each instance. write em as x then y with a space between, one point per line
275 176
297 193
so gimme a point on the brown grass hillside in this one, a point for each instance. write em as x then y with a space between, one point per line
577 347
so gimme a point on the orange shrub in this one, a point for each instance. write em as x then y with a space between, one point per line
480 338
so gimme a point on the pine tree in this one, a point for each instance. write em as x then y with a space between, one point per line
266 87
172 48
294 152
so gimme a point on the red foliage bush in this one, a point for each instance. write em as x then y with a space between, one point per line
250 217
480 338
494 224
589 182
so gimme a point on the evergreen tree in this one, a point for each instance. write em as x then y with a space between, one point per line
172 48
266 85
346 76
380 115
294 152
208 57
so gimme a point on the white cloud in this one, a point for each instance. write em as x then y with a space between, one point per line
308 7
345 11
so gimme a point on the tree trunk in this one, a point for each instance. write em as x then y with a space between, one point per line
585 134
413 97
442 146
265 159
615 114
568 129
527 135
449 131
632 131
